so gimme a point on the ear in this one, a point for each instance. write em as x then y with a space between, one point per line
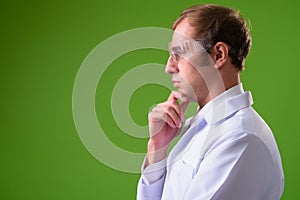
219 54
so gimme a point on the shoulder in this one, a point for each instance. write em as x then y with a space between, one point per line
243 129
248 121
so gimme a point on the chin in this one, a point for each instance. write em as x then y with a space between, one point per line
183 95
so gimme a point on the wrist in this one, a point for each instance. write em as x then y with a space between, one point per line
156 152
154 146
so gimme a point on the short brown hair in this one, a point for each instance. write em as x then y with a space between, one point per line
214 23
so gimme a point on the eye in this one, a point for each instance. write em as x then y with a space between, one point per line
175 56
177 52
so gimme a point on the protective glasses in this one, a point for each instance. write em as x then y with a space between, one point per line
185 49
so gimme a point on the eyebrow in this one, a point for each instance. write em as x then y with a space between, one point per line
177 48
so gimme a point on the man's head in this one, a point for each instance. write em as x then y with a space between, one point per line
225 39
213 23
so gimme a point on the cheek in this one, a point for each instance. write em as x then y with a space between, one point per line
185 69
193 76
189 74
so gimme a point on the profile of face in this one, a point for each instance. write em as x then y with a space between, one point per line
189 65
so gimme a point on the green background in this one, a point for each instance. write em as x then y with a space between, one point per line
43 44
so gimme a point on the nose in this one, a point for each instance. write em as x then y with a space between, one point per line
171 66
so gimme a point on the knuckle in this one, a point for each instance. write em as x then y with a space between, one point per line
160 104
169 108
151 115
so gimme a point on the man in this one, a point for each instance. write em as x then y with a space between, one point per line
226 150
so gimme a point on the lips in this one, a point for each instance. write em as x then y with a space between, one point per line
176 83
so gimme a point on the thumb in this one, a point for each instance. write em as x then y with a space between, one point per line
175 95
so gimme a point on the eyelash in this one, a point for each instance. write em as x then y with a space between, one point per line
176 56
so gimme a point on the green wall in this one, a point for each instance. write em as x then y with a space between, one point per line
43 44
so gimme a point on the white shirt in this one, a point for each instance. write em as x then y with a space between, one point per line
227 152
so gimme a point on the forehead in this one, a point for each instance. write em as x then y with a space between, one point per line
183 31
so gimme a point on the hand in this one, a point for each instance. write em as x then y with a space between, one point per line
165 121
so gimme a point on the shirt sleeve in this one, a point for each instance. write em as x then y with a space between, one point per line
152 180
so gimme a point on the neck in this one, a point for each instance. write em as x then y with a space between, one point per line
218 88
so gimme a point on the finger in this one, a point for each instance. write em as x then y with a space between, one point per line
173 110
184 104
170 122
169 105
176 107
173 96
157 117
179 95
176 118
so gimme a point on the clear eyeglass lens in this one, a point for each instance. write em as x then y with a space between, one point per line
175 56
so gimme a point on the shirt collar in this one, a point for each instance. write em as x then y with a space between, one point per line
221 107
